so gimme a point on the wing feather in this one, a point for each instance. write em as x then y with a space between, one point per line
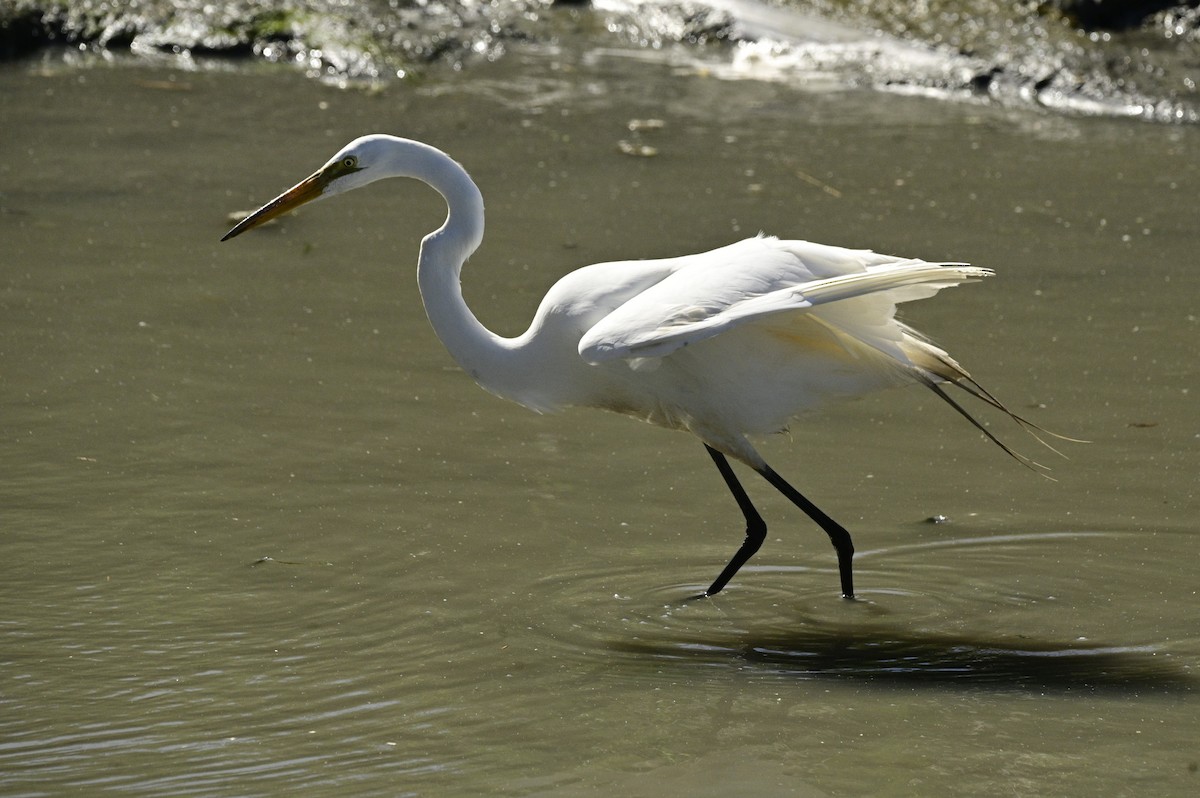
752 280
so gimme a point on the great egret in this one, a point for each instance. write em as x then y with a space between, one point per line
726 343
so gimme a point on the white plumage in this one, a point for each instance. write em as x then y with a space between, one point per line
732 342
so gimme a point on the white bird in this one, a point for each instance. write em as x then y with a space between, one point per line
724 344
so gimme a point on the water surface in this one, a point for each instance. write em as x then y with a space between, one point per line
261 535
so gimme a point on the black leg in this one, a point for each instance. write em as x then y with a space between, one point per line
756 529
837 533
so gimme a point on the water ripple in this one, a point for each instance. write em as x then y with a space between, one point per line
957 611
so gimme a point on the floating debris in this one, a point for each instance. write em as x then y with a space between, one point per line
812 181
638 125
636 149
163 85
234 217
268 560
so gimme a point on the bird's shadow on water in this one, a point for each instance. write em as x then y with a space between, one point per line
891 656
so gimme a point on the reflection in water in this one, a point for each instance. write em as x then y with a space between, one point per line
789 627
907 628
891 655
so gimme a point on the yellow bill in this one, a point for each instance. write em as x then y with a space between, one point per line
306 190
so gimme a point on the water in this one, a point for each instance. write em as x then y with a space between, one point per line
261 536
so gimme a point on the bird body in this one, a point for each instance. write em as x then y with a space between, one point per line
732 342
727 343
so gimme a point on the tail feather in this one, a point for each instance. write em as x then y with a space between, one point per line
933 366
1029 463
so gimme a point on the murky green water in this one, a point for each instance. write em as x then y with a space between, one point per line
468 599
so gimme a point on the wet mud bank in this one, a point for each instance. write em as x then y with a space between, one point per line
1132 59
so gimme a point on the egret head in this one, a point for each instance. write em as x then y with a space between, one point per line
354 166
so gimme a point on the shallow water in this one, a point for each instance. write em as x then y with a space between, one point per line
261 535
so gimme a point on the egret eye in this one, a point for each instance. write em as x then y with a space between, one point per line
349 162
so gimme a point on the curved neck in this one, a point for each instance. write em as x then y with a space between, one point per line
480 352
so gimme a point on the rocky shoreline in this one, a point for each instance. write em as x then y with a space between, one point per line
1123 58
